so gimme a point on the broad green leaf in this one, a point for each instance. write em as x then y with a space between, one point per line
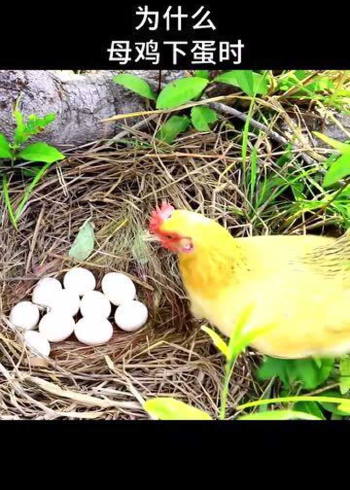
171 409
217 340
180 91
135 84
344 375
5 150
318 361
279 415
311 408
174 126
84 243
239 78
301 74
250 82
261 84
343 148
202 74
41 152
291 371
338 170
203 116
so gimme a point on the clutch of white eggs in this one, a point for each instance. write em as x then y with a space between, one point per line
62 304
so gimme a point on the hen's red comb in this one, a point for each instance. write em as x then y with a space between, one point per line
159 215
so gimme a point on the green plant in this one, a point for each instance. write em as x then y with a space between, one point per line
307 373
339 167
179 92
295 374
172 409
35 152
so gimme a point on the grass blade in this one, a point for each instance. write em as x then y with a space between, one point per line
8 201
29 189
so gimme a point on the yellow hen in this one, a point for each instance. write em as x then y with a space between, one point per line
299 284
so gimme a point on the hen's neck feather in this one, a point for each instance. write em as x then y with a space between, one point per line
211 267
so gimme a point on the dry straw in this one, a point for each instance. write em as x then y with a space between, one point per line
118 186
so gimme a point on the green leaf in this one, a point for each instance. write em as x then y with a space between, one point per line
84 243
338 170
180 91
237 340
336 409
203 116
174 126
344 375
341 147
202 74
20 136
136 84
5 150
30 187
279 415
290 371
250 82
238 78
31 172
311 408
36 124
171 409
217 340
41 152
261 84
318 361
7 200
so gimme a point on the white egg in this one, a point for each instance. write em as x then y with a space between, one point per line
45 291
118 288
93 330
94 303
79 280
25 315
131 315
38 342
66 301
56 326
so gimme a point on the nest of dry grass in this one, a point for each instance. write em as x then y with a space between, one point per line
118 187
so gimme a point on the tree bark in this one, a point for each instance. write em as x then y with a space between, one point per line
78 101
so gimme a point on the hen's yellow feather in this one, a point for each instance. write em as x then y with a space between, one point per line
299 284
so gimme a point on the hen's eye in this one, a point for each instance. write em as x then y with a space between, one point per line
169 237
